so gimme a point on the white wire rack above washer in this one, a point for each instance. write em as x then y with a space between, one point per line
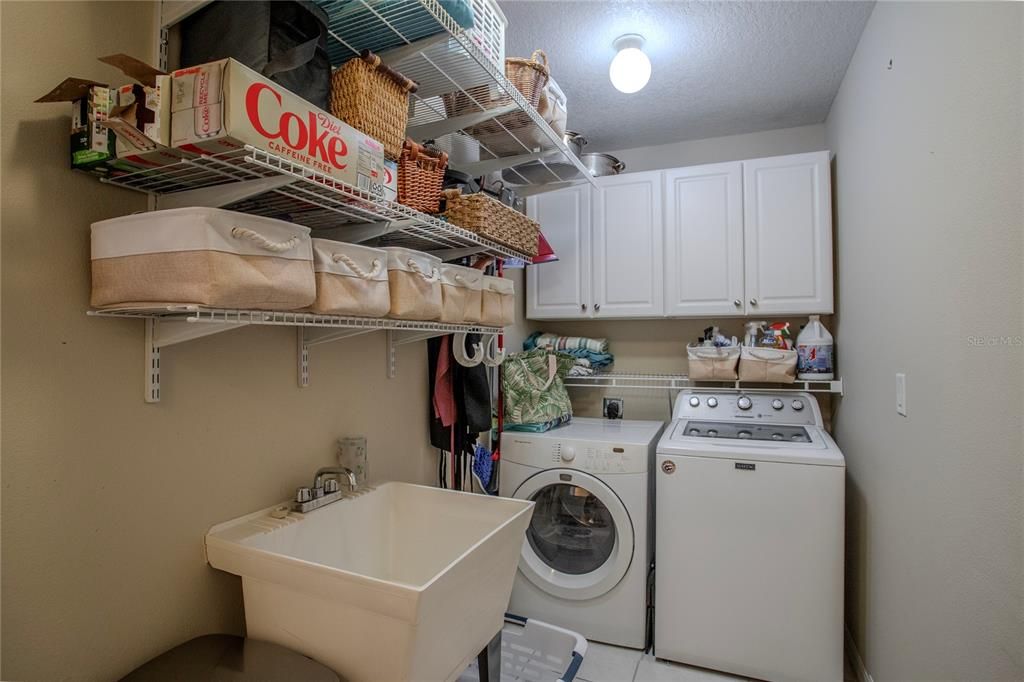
170 325
671 382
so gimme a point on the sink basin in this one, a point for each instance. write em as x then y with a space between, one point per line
401 582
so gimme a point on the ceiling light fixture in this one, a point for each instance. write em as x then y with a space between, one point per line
630 69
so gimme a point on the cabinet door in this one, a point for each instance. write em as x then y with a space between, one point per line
704 240
788 234
561 290
628 270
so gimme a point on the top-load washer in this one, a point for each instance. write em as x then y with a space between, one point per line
750 517
585 559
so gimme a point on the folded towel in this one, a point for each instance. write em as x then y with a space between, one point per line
556 342
581 371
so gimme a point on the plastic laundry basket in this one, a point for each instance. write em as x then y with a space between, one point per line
536 651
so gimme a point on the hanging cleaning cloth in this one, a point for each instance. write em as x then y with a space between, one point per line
444 396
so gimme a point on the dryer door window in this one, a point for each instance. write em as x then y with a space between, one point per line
580 540
572 530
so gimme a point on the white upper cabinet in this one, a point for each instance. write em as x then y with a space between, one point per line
561 290
788 234
704 241
627 246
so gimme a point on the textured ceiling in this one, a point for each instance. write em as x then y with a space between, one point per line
718 68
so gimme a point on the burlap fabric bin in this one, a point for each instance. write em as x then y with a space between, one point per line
350 279
499 302
768 364
202 256
414 279
461 294
712 364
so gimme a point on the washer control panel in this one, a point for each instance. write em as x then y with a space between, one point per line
590 456
775 408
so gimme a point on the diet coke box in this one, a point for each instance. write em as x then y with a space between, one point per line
223 106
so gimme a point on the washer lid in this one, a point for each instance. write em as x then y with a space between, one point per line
750 441
593 429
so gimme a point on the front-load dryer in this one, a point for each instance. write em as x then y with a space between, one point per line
586 555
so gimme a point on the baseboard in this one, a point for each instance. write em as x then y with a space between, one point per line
856 662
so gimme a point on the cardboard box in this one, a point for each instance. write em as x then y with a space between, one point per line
390 180
223 106
119 130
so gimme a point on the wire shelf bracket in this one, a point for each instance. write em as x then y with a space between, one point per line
170 325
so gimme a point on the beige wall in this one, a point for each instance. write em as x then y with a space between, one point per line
654 346
105 498
929 174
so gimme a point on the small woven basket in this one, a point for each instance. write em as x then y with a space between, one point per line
492 219
420 174
529 76
373 98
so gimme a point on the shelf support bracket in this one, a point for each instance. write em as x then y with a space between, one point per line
356 233
478 168
306 339
435 129
398 338
168 332
222 195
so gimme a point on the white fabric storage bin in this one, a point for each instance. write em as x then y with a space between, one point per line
461 294
350 279
203 256
768 365
414 281
712 364
499 302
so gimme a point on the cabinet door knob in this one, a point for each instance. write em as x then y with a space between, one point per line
753 301
597 307
583 307
737 303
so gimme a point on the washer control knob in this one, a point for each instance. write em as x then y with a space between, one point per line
694 401
568 454
777 404
744 403
798 405
712 401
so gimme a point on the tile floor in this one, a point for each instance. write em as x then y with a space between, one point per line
604 663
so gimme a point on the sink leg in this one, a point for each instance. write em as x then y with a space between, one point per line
489 660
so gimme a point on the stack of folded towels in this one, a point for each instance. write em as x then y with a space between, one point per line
591 355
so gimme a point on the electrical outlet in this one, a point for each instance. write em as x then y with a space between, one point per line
901 393
612 408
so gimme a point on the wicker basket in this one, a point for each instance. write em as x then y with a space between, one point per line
373 98
529 76
492 219
420 174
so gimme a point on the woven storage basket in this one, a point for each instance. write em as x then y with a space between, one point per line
420 174
350 279
492 219
461 294
373 98
529 76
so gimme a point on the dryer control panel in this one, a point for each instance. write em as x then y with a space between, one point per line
765 408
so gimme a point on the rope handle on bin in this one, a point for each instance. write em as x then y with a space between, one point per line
415 267
354 267
263 242
374 60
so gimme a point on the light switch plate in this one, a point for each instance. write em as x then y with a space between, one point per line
901 393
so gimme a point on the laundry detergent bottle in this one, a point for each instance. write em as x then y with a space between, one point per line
815 352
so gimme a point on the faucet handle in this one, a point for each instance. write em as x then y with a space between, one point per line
303 494
331 486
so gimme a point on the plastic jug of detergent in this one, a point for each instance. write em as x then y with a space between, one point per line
814 348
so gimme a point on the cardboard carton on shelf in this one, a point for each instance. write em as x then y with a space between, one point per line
222 106
123 129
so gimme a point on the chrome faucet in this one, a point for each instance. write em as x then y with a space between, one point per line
334 471
323 491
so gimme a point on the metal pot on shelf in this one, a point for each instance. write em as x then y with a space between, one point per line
535 171
602 164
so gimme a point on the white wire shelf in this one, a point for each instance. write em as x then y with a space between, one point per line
174 324
423 42
678 381
254 181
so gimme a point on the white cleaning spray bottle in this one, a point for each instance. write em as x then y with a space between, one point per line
815 356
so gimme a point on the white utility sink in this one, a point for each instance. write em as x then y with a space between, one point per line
401 582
